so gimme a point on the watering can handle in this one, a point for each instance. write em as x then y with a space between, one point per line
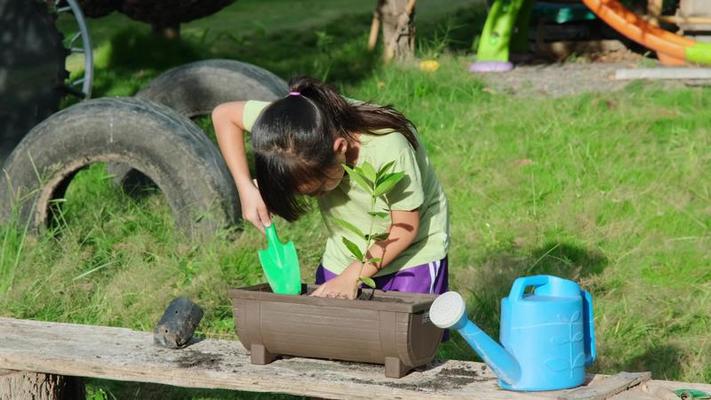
520 285
589 328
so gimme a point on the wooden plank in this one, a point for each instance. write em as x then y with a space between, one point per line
127 355
659 392
635 395
674 385
663 73
608 387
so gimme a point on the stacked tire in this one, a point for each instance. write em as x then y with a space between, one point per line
139 135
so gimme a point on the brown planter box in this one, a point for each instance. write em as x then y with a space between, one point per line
393 328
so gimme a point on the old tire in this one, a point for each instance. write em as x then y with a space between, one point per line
197 88
153 139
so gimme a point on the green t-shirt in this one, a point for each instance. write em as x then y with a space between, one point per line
419 189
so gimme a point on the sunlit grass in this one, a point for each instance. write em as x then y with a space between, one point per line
612 190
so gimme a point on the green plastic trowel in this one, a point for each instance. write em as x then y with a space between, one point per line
280 264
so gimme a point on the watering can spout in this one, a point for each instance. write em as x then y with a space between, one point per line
449 311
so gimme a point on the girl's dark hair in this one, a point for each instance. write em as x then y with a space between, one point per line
293 139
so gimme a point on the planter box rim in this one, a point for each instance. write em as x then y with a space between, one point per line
409 302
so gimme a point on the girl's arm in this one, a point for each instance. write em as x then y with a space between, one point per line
229 129
401 235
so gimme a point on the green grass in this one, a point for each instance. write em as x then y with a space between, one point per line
612 190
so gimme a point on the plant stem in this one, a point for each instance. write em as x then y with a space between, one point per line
370 234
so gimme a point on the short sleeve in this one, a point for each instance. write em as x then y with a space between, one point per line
251 111
408 194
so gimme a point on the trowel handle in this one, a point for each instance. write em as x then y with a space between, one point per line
271 233
588 328
520 285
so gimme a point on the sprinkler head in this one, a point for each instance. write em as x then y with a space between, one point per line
447 310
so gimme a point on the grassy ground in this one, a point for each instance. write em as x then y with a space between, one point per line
612 190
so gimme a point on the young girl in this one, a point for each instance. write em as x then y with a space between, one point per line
300 144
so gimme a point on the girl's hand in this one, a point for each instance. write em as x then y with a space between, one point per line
344 286
253 208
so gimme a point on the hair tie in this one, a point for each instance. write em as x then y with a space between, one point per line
294 93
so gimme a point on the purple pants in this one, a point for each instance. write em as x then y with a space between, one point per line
426 278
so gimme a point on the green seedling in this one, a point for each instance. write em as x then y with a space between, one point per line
280 263
378 184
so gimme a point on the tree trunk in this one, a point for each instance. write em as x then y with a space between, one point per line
398 21
21 385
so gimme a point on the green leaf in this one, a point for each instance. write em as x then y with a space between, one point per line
385 168
353 248
375 260
367 281
359 179
379 236
379 214
368 171
388 184
347 225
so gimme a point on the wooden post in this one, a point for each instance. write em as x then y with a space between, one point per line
654 9
22 385
397 19
374 29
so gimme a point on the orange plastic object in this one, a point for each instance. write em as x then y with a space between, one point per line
670 46
669 60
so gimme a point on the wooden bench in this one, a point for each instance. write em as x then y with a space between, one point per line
122 354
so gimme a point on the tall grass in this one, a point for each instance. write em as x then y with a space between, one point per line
11 251
612 190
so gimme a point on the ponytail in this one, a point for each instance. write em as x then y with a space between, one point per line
349 118
293 139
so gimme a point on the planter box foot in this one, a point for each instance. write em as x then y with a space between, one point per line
394 368
260 355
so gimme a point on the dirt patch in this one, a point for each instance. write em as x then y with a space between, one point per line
563 79
455 378
192 358
446 379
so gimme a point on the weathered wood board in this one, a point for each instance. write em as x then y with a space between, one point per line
608 387
127 355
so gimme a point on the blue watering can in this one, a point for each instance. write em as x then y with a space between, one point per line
547 336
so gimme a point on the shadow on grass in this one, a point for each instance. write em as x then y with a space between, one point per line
98 389
487 284
335 52
663 361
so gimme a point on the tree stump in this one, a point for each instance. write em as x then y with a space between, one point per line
398 21
22 385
